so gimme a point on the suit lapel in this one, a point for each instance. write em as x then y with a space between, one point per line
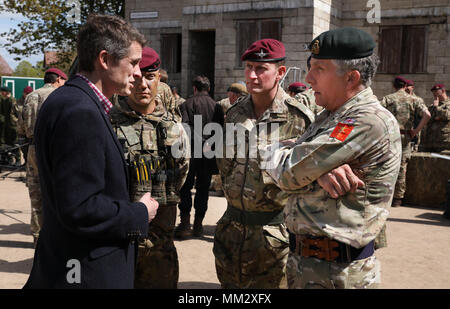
80 83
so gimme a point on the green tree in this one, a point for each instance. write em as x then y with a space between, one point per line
26 69
49 25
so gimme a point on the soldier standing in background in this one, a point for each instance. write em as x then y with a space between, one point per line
17 114
437 134
332 237
405 109
416 139
296 88
148 131
178 98
53 78
234 92
9 123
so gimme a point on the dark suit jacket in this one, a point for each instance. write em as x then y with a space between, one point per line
202 104
87 214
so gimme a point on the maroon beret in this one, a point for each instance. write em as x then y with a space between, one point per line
265 50
27 90
438 86
297 86
150 60
409 82
401 79
57 72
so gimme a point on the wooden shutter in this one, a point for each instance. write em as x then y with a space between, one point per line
247 33
390 50
414 51
270 29
171 52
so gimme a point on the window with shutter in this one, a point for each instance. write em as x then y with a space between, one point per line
249 31
171 52
402 49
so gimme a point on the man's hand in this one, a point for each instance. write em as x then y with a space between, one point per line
151 204
340 181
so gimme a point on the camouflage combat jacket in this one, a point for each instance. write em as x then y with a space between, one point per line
438 128
147 141
169 102
240 172
360 133
405 109
32 105
309 100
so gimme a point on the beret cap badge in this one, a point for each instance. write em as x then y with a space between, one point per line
261 54
315 49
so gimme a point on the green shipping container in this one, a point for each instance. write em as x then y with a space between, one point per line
17 84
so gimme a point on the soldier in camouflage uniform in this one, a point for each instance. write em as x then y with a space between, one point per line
251 241
9 123
17 115
148 131
308 99
332 238
53 78
437 134
410 86
178 99
405 109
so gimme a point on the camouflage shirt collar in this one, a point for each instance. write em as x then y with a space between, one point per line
48 85
277 106
127 110
361 98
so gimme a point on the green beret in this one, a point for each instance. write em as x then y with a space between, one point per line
342 43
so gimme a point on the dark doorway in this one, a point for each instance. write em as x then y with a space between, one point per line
202 57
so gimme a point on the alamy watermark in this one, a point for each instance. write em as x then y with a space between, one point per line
74 273
237 142
374 15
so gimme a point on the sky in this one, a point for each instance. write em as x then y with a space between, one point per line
8 20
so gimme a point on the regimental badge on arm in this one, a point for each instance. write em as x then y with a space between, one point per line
343 129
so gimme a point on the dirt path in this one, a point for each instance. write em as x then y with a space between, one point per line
418 255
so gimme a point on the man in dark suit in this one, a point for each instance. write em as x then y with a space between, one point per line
89 232
199 106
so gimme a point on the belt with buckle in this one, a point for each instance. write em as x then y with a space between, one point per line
328 249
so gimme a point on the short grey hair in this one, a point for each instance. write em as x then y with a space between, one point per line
367 67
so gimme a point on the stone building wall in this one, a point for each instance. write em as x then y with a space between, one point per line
301 21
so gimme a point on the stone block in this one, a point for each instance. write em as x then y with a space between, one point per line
426 179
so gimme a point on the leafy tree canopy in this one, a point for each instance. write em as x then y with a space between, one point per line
51 26
26 69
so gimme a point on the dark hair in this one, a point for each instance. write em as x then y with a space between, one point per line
297 90
105 32
201 83
164 76
398 84
50 78
308 63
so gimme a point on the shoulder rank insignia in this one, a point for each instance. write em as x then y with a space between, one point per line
315 49
342 130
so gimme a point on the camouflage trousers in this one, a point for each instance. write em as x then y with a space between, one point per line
381 239
400 185
34 191
251 257
312 273
157 262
